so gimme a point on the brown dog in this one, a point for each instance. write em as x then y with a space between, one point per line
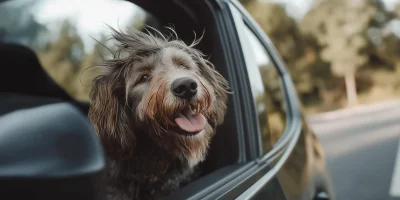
155 109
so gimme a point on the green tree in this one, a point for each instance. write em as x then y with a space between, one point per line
341 27
299 51
66 61
57 57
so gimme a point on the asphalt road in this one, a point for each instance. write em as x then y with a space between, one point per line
361 147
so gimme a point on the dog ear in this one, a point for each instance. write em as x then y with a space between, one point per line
109 117
221 88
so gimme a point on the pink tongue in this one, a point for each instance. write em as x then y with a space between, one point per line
191 122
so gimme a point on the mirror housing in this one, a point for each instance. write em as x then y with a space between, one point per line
50 152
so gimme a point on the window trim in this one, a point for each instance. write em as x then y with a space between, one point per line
286 143
233 179
289 93
282 84
247 57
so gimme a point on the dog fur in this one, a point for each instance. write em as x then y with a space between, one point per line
133 109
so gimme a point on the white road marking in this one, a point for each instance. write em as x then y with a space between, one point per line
395 185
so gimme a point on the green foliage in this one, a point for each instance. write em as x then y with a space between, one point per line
335 38
298 50
66 62
71 65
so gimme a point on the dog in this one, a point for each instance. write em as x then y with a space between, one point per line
155 109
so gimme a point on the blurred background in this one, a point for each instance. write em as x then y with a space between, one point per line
340 52
343 55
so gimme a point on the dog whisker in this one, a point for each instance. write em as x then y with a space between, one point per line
139 120
166 117
208 100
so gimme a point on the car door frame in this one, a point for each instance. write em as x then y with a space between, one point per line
286 143
256 174
229 182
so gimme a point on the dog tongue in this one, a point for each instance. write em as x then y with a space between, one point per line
191 122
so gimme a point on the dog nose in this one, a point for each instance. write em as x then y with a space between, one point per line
184 88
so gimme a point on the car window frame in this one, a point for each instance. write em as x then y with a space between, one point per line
240 177
243 175
256 175
268 47
288 140
248 59
237 178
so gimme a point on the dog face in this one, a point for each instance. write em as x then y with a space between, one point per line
161 89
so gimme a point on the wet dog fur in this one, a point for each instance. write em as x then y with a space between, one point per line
134 110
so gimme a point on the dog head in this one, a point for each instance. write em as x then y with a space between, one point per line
161 89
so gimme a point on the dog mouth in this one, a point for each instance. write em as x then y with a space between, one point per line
190 122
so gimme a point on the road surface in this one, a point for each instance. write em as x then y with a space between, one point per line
362 147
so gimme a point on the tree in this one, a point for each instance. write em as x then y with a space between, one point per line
388 45
341 26
62 58
299 51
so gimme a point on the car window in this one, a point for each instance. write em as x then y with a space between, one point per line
266 91
68 41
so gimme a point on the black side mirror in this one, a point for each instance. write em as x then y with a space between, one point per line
50 152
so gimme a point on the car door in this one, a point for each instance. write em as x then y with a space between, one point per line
276 105
255 177
300 170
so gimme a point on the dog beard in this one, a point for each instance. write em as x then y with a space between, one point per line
123 111
179 126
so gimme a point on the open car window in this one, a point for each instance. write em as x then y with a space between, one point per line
267 92
69 41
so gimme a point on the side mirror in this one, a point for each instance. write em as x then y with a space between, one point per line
50 152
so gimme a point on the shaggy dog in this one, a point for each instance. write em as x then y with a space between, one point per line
155 109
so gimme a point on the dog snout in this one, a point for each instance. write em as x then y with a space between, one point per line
184 88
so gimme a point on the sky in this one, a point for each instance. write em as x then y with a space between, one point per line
295 8
90 16
298 8
113 11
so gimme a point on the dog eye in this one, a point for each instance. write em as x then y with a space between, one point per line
144 78
184 66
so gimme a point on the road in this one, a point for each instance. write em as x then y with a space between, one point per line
362 147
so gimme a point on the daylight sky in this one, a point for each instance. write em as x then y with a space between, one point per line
111 11
90 16
298 8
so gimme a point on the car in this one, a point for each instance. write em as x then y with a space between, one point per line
48 149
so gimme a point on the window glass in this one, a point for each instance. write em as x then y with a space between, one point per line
66 34
267 92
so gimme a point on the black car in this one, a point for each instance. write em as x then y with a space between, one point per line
48 149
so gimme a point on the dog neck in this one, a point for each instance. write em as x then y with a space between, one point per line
150 173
